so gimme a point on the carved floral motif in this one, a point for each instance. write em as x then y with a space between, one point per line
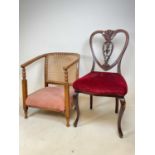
108 35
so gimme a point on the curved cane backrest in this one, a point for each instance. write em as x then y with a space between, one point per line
108 48
54 67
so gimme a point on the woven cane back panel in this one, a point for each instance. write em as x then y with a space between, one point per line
55 64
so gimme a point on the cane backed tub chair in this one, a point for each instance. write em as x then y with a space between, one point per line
60 69
109 84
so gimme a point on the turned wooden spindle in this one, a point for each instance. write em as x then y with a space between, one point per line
67 97
24 90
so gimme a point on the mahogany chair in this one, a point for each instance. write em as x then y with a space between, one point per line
107 84
60 69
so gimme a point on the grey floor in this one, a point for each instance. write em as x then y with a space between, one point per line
45 133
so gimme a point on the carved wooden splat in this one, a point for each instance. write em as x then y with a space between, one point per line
107 51
108 48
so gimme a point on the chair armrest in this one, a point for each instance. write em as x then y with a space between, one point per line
32 60
24 80
70 64
65 68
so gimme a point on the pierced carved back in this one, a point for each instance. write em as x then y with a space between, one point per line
108 48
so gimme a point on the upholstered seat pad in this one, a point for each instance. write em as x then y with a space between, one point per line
102 83
51 98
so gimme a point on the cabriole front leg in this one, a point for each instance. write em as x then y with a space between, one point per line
123 104
24 91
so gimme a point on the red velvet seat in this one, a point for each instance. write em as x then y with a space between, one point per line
102 83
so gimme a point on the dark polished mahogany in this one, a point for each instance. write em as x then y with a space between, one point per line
107 50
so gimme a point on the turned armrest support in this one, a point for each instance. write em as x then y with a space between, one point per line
67 89
32 60
24 86
66 76
65 68
67 95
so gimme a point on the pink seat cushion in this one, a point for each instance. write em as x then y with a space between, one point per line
51 98
102 83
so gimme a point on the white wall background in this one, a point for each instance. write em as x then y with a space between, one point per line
65 25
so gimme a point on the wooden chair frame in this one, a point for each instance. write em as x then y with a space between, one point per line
108 36
66 84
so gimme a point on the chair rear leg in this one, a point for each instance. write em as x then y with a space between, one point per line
25 111
123 104
91 102
77 110
67 121
117 105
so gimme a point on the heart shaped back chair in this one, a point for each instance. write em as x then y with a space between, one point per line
60 69
107 84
